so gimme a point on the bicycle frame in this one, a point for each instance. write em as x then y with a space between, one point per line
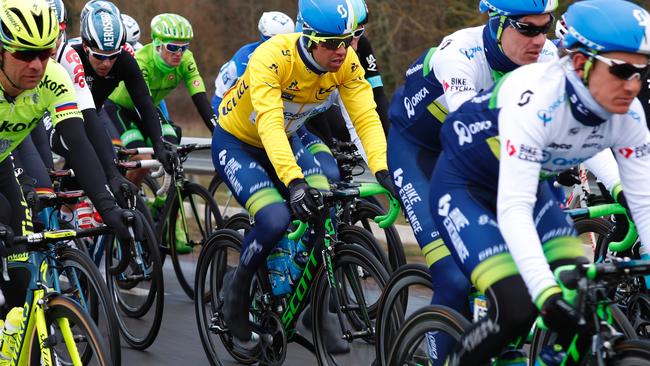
34 311
326 246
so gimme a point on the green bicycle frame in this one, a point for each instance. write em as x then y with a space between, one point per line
302 289
34 313
608 210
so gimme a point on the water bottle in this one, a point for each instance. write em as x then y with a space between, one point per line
10 335
550 356
477 305
299 261
84 215
278 263
157 205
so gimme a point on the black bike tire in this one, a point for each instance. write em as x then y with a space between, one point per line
393 303
344 253
396 255
600 226
239 221
205 279
427 319
351 234
540 336
190 190
155 298
631 353
74 258
215 183
63 307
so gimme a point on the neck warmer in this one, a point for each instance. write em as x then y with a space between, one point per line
307 58
583 106
492 33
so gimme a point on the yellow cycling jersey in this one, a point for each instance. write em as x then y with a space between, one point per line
279 92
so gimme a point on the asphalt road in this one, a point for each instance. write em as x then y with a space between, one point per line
178 342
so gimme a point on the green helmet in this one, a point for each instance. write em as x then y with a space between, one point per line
28 25
171 27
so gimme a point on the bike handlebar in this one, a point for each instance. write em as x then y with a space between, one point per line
606 210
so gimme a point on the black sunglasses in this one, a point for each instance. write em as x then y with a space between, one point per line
624 70
31 55
531 30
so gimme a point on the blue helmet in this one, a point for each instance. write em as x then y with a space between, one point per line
103 30
517 7
328 17
608 26
360 11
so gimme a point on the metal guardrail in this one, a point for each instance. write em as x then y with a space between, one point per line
198 162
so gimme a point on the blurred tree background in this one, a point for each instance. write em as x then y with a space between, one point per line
400 30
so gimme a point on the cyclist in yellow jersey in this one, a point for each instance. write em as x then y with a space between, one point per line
255 150
31 83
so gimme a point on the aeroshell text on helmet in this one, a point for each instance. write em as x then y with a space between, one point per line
109 31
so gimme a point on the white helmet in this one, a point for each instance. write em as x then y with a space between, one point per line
274 22
132 29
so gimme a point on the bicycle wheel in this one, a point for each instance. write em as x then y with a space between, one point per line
226 202
394 302
190 228
356 235
239 222
410 346
87 339
219 254
360 279
364 214
81 281
595 232
543 337
638 312
138 292
631 353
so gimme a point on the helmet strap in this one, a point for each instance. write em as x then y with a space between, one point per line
2 68
589 64
502 22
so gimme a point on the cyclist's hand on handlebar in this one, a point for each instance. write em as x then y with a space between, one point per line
559 315
123 190
384 179
304 200
121 220
569 177
167 157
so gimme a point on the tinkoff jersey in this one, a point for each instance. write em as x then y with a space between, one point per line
20 115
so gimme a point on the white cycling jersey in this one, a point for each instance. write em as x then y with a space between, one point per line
71 62
461 66
540 132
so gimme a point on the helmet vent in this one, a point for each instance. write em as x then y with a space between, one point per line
22 19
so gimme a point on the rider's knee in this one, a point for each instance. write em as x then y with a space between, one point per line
273 220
